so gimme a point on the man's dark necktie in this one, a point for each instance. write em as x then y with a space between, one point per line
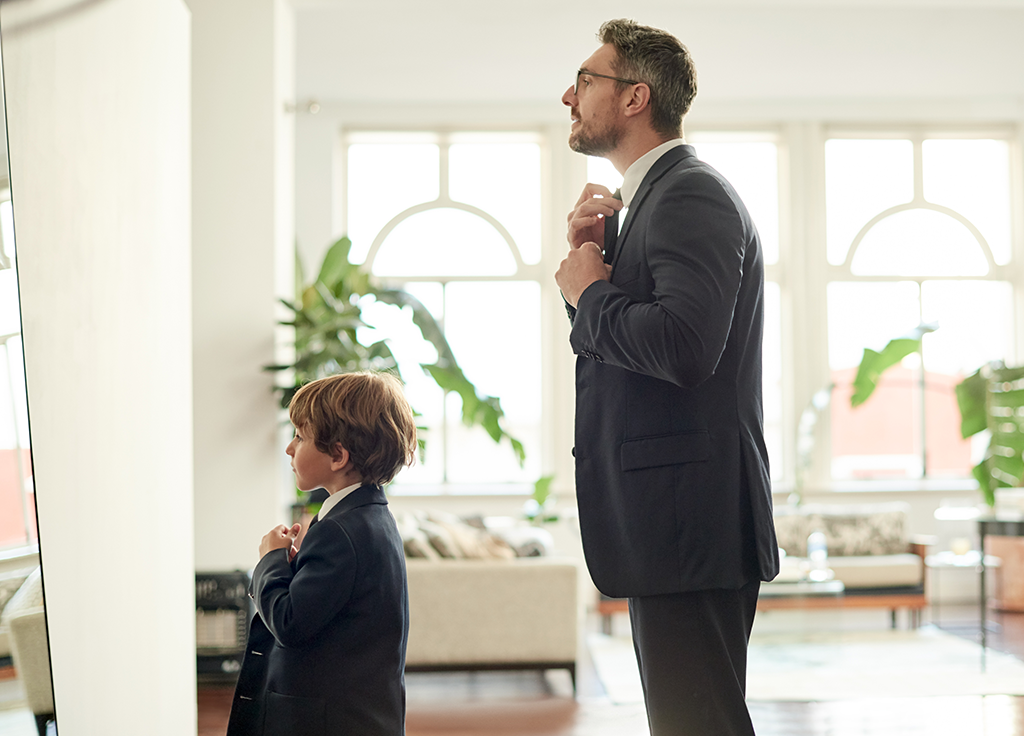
611 231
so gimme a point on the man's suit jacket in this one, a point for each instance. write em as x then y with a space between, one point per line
671 467
326 649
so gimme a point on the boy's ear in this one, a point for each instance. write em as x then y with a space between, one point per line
339 457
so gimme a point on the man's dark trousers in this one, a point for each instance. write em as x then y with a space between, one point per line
693 662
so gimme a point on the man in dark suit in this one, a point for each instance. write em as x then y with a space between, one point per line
667 318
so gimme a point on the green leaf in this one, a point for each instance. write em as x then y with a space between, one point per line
424 321
482 411
327 317
981 474
542 489
873 364
970 397
336 263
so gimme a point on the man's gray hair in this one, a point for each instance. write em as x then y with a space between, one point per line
658 59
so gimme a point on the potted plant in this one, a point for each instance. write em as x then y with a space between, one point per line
327 314
991 398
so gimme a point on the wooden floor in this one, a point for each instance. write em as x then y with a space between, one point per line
531 704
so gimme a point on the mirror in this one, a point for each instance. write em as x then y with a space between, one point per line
97 110
26 693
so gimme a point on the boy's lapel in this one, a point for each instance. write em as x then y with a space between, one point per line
362 496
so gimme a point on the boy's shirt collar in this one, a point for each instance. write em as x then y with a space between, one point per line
335 498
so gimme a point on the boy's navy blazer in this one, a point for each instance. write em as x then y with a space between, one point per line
671 467
326 648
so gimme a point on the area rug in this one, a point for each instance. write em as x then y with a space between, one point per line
816 666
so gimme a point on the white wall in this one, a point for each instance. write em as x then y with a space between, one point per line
98 116
243 231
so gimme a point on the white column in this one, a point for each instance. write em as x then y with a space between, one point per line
243 233
98 115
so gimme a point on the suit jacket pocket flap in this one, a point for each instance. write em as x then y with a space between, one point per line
652 452
289 716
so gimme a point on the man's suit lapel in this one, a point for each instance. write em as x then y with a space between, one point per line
662 166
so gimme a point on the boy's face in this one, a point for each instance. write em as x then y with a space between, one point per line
312 468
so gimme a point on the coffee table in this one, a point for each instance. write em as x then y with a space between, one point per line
800 594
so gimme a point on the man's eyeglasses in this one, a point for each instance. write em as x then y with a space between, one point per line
581 72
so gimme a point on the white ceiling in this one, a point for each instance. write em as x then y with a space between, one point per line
468 51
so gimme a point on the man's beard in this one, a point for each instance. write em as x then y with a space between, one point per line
596 143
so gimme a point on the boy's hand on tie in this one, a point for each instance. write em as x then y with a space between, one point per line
280 537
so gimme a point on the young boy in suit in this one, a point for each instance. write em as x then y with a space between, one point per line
326 649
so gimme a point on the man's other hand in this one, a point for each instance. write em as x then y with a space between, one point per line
581 267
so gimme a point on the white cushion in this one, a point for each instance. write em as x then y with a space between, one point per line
878 571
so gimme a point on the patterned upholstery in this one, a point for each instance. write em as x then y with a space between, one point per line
876 529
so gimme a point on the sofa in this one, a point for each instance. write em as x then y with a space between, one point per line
474 604
10 581
24 618
869 550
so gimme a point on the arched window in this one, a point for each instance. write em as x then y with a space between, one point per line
455 219
918 232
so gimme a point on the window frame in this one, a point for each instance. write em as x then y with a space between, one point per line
444 136
823 272
802 270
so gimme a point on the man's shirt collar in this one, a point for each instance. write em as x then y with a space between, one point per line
636 172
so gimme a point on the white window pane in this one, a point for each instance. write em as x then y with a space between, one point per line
919 243
7 229
975 321
882 438
973 178
863 178
752 167
503 179
494 330
385 179
444 241
868 315
772 377
388 322
10 315
601 171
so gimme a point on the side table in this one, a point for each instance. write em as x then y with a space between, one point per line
993 525
950 560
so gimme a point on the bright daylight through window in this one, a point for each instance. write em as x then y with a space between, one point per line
17 499
461 231
918 232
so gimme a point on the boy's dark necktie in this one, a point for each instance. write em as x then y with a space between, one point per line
611 231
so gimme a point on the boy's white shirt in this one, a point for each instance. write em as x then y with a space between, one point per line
334 498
